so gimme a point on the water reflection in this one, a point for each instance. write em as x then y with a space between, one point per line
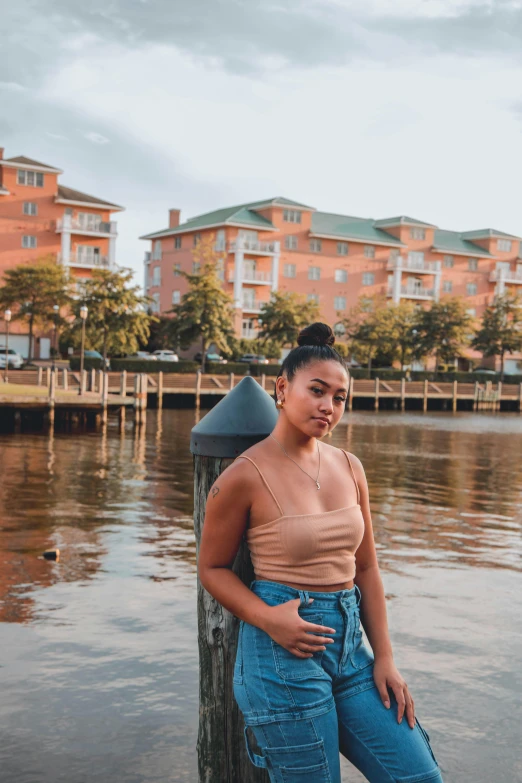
100 647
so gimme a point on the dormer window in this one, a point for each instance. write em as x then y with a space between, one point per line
504 245
34 179
417 233
291 216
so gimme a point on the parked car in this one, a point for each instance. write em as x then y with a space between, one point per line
143 355
485 371
211 357
254 358
92 355
14 359
164 355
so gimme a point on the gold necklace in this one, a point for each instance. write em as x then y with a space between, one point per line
315 480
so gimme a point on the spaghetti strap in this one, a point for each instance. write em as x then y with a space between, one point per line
265 482
353 474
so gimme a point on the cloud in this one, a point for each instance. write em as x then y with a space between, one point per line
95 138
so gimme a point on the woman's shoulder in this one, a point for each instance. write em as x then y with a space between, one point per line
342 455
242 467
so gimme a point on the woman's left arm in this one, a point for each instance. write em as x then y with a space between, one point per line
373 611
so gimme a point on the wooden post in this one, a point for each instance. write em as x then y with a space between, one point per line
65 379
52 395
104 396
83 381
403 393
231 386
475 396
48 377
263 380
101 379
123 383
376 402
160 390
425 398
39 377
455 396
92 385
222 756
198 388
499 396
350 392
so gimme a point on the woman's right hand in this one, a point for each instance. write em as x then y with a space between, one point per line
285 626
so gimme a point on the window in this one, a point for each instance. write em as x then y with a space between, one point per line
504 245
313 298
339 329
394 253
291 216
447 286
415 258
368 278
341 276
155 305
369 251
340 302
156 250
88 254
314 272
417 233
195 267
471 289
89 221
196 239
220 240
28 241
448 262
156 276
289 270
69 211
472 311
342 248
34 179
472 264
315 245
177 270
177 243
290 243
30 208
176 297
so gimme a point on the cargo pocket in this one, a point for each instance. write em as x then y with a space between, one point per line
299 763
290 667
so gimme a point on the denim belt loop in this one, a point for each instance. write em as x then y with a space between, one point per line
358 594
257 761
305 598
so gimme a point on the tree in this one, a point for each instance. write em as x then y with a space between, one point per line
501 329
205 313
404 327
32 290
369 329
443 331
284 316
117 320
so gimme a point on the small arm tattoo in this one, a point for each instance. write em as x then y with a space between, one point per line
215 491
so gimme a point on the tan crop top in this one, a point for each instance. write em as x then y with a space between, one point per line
315 549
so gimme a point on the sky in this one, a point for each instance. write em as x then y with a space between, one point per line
374 108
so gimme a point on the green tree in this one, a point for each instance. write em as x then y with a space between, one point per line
284 316
117 320
443 331
369 330
501 329
205 313
32 290
404 319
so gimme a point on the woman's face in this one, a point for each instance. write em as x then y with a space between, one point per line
314 400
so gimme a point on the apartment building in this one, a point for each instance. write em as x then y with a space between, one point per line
39 217
331 259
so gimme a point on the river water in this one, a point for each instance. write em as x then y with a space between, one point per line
98 651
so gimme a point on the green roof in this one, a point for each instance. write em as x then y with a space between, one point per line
487 233
239 215
355 228
454 242
402 220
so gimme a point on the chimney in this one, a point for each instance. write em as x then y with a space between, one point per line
174 217
1 153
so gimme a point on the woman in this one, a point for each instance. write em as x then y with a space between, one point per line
307 685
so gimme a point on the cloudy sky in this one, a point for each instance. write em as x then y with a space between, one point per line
365 107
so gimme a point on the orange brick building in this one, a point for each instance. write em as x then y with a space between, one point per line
332 259
39 218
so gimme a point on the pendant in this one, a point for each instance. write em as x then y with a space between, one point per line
318 485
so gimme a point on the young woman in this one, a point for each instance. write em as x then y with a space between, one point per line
307 685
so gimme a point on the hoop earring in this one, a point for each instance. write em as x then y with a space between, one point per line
279 404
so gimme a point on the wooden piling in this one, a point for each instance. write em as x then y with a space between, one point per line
123 383
231 384
39 377
47 376
455 397
65 379
160 390
263 380
198 389
425 397
52 397
403 393
499 396
92 384
376 401
104 397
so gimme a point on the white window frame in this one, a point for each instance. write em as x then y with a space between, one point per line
342 248
291 216
341 275
177 270
29 241
196 239
32 179
448 262
315 246
447 286
416 256
156 250
177 243
471 285
89 221
473 264
290 242
416 232
289 270
176 297
30 208
312 298
368 278
339 303
155 305
369 251
156 276
504 245
87 254
196 266
314 272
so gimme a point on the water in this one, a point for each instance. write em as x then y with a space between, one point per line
98 652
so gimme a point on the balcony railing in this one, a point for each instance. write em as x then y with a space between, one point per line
76 226
252 277
413 265
249 334
413 292
252 305
507 275
253 246
78 259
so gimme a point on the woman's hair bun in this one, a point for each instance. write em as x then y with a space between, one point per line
316 334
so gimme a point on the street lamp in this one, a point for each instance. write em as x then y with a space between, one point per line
83 315
56 310
7 318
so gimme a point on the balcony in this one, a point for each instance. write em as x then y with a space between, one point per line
252 305
414 292
507 276
249 334
254 278
254 247
411 265
97 228
86 262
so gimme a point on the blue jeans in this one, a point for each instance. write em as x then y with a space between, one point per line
304 711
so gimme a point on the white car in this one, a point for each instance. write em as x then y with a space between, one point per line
143 355
14 359
165 355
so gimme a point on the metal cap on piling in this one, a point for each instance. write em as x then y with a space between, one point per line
246 415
